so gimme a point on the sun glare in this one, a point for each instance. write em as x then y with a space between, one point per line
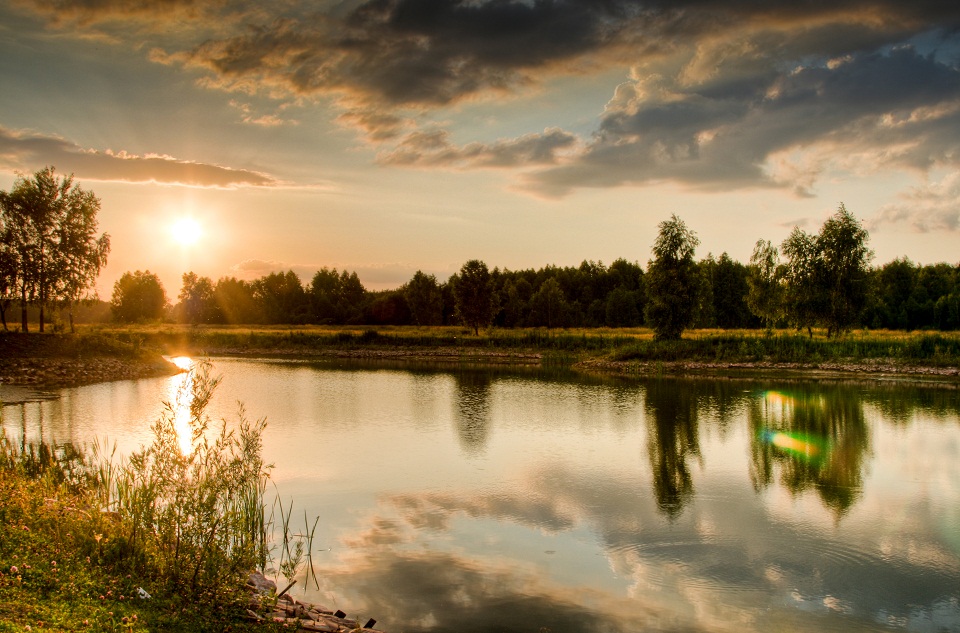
186 231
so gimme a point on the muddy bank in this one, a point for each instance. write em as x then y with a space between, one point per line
68 361
877 369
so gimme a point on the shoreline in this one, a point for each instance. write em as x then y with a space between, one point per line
54 364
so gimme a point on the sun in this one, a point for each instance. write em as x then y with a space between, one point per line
186 231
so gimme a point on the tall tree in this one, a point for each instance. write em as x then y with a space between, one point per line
54 236
548 304
845 259
424 299
672 280
80 253
138 296
197 303
765 294
804 299
473 294
9 265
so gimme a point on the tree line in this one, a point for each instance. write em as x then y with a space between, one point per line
50 254
810 280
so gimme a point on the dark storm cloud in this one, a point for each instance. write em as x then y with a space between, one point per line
720 93
24 151
897 109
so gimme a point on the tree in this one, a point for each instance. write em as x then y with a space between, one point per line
424 299
548 304
9 267
672 280
281 297
804 300
765 294
844 258
235 302
197 303
473 295
81 253
138 296
51 228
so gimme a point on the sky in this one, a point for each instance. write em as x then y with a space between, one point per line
389 136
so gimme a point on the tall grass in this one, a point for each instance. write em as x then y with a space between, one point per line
196 519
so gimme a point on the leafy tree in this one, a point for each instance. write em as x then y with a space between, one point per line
138 296
281 298
51 229
672 280
197 302
804 298
730 290
845 258
424 299
765 294
235 302
473 295
9 267
548 304
621 308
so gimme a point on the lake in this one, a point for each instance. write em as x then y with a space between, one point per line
469 499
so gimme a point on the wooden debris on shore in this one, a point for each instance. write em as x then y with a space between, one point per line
267 606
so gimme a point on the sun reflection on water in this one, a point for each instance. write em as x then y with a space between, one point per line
180 399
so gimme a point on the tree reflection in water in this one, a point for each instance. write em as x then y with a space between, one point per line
672 436
827 442
472 412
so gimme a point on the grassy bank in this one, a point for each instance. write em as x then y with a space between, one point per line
85 534
929 349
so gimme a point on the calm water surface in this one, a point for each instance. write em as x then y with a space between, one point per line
475 500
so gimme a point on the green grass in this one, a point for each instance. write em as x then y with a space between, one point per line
82 533
558 347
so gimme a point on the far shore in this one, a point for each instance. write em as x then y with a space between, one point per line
59 360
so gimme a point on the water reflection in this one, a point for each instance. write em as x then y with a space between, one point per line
180 401
472 413
672 438
810 437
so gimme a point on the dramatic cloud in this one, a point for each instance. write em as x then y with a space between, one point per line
25 151
433 149
720 96
896 109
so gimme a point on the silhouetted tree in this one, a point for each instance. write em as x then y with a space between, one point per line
424 299
473 295
235 302
547 305
138 296
281 297
197 302
672 280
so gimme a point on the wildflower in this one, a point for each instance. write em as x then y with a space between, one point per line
54 563
101 596
13 569
86 623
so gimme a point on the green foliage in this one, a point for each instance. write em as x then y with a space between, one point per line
138 296
765 292
672 280
197 302
844 257
473 293
424 299
195 517
49 249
